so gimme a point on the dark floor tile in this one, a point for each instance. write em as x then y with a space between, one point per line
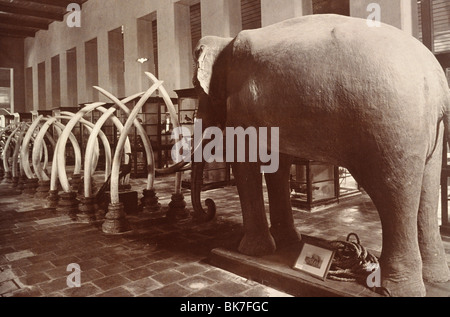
53 285
142 286
110 282
192 269
172 290
168 276
86 289
137 274
230 288
116 292
112 268
32 279
161 266
38 267
138 262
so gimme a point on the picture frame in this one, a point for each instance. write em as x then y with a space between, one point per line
315 258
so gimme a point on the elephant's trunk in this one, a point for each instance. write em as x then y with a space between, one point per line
200 214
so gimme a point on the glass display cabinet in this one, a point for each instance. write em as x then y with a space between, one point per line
215 174
313 184
155 120
445 178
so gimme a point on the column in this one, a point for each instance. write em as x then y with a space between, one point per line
81 74
103 65
133 73
168 47
35 87
64 100
221 17
273 11
48 84
402 14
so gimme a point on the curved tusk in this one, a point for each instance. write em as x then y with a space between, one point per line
24 152
118 153
140 130
88 169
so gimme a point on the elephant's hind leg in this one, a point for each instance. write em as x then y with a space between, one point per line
395 191
257 239
281 219
435 268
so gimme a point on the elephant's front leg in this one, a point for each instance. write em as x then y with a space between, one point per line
257 239
281 219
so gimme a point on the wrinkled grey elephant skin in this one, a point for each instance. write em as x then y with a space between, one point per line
371 99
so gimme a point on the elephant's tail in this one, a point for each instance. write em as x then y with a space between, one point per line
447 120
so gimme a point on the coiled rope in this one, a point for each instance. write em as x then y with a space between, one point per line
353 263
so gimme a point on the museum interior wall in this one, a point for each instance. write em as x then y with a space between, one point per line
119 40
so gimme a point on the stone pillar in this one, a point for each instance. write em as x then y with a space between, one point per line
273 11
22 180
29 187
221 17
168 47
87 208
104 80
7 178
52 199
15 181
402 14
42 191
177 208
115 220
149 201
75 182
68 204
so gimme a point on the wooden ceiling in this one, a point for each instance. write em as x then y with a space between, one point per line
23 18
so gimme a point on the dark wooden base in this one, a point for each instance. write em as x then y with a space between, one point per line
276 271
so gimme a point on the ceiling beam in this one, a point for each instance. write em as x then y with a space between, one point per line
16 32
31 12
13 19
57 3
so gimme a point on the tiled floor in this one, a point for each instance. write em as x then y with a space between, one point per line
156 258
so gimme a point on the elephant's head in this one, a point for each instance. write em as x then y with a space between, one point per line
212 57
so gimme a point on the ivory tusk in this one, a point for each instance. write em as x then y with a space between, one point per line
119 149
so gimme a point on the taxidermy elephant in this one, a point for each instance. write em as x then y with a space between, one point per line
371 99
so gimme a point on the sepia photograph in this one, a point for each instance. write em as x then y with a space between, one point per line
181 151
314 260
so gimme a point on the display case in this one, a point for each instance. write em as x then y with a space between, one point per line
155 119
215 174
313 184
445 198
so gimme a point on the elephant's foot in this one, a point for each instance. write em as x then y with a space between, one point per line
435 269
284 235
257 244
403 278
404 288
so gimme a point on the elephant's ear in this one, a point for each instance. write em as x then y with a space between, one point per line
204 68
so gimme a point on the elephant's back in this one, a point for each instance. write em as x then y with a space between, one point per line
337 61
335 73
